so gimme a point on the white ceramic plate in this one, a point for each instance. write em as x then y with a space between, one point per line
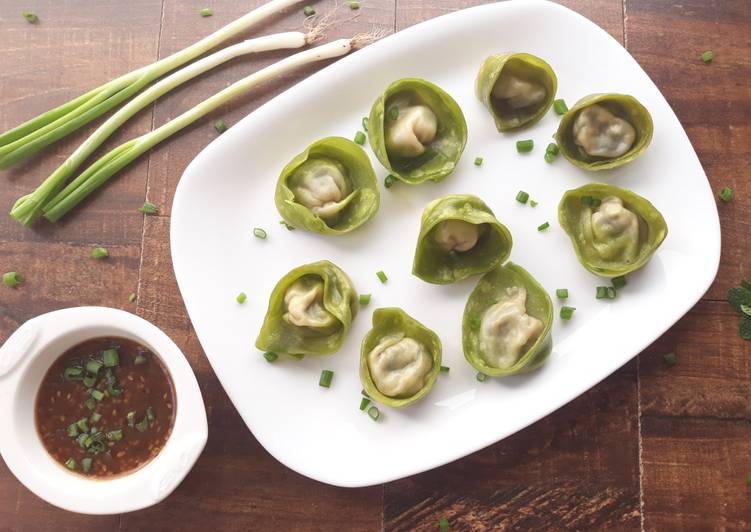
229 188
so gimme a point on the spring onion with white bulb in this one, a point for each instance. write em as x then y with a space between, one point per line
111 163
28 209
32 136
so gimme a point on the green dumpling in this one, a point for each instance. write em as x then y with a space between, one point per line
310 311
507 322
459 237
417 131
614 231
330 188
400 358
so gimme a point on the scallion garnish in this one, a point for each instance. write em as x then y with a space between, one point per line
72 430
140 359
308 11
30 17
360 138
90 403
149 209
561 293
150 415
365 122
522 197
443 525
567 312
374 413
727 194
478 161
364 299
89 380
95 417
86 464
543 226
132 297
670 359
605 292
99 253
525 146
364 402
110 358
114 435
549 157
533 203
206 12
97 395
481 377
270 356
707 56
241 298
73 374
12 279
393 112
382 277
445 369
83 424
130 417
70 463
389 181
325 379
363 392
560 107
285 224
553 148
618 282
220 126
354 5
142 425
93 366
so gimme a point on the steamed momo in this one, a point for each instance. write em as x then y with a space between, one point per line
321 186
602 134
411 130
456 235
615 231
517 92
506 330
304 304
399 365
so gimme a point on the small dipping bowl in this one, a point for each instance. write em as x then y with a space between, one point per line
24 360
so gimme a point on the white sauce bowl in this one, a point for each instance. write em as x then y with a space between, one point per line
24 360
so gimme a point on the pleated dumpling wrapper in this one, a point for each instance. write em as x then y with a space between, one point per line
400 358
417 131
330 188
459 237
310 311
506 324
614 231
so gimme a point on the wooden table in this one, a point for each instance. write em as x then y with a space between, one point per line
652 446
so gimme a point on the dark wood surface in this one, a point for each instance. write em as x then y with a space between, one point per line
652 447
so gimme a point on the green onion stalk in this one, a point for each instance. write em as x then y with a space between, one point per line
28 209
114 161
32 136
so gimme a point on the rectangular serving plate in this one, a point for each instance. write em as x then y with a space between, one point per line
229 188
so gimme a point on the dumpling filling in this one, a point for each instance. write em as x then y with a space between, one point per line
602 134
399 365
517 92
303 303
321 186
615 231
456 235
409 128
507 331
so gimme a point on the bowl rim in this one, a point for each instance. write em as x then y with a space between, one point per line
39 339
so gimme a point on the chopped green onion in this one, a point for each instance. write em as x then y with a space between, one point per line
393 112
525 146
360 138
98 395
241 298
288 226
543 226
553 148
132 297
90 403
549 157
73 430
150 415
445 369
560 107
220 126
73 374
70 463
389 181
364 299
561 293
308 11
82 439
746 309
270 356
130 417
374 413
353 5
95 417
364 402
567 312
148 209
707 56
605 292
325 380
89 380
83 424
522 197
365 122
382 277
590 201
86 464
206 12
99 253
363 392
114 435
30 17
481 377
618 282
110 358
93 366
142 425
533 203
12 279
478 161
726 194
443 525
140 359
670 359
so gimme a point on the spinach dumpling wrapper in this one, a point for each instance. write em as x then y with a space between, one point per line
614 231
310 311
518 89
507 321
459 237
400 358
330 188
603 131
417 131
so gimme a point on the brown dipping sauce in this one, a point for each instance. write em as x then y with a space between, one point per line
102 414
